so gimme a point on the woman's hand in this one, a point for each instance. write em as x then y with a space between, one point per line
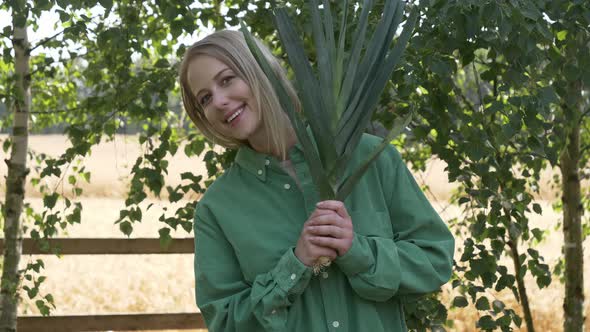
308 252
330 226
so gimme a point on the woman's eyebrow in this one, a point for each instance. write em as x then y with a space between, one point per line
215 78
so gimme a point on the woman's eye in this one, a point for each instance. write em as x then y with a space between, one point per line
204 100
226 80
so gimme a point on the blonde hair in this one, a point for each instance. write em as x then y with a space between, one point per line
230 48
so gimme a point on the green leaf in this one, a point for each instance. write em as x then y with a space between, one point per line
537 208
6 145
529 10
50 200
460 302
318 174
31 292
43 309
339 63
464 200
324 62
165 238
351 129
75 217
162 63
329 30
498 306
533 253
106 4
126 227
482 304
86 176
548 95
352 66
378 47
504 281
538 234
323 39
486 323
173 194
314 106
63 16
49 299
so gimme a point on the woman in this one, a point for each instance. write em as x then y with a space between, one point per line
259 227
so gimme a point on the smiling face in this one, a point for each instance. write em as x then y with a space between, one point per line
225 98
219 76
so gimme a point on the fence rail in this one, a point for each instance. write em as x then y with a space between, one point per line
134 322
81 246
123 322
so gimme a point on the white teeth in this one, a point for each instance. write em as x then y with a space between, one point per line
235 115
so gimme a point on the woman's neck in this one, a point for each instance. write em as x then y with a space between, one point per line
263 145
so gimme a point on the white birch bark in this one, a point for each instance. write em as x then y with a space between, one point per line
15 181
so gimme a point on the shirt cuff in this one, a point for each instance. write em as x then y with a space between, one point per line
358 258
291 274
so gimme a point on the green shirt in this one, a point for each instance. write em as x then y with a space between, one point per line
247 225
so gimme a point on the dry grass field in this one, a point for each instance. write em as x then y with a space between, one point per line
165 283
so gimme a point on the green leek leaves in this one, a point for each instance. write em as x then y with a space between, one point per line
340 97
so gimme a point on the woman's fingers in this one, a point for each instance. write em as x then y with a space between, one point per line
324 241
336 206
320 212
326 233
327 230
339 245
325 217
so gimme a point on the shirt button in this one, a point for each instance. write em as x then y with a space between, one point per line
335 323
287 186
293 276
267 162
259 172
273 312
325 275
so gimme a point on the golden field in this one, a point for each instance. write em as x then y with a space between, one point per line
165 283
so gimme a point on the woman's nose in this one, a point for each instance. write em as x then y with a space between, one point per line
220 100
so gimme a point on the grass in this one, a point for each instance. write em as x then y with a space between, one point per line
165 283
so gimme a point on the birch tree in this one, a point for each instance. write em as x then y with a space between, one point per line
17 172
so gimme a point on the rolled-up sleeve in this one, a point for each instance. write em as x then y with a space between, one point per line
229 303
419 257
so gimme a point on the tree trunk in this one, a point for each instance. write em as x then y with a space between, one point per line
573 305
522 294
15 180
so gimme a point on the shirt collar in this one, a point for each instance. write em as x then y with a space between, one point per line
258 163
253 162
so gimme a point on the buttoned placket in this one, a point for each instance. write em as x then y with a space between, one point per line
329 290
307 187
286 185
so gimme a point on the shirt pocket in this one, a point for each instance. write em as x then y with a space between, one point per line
372 223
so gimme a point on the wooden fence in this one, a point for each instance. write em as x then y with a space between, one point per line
128 322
